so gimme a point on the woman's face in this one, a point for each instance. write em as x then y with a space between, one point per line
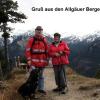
56 38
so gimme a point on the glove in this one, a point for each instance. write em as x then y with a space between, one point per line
31 68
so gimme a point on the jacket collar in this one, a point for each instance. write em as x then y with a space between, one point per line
55 43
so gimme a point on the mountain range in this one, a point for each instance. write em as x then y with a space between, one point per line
85 52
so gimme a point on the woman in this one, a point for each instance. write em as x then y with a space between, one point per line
59 52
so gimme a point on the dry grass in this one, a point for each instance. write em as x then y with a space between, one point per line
80 88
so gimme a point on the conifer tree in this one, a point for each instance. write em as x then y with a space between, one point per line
9 14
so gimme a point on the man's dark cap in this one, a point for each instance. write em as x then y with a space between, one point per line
39 28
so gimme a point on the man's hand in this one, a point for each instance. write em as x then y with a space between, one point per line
31 68
29 63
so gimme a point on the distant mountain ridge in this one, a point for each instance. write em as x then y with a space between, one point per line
85 55
85 52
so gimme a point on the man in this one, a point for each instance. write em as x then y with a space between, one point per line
36 54
59 53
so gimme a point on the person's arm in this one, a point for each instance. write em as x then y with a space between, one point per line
46 45
52 53
66 50
28 52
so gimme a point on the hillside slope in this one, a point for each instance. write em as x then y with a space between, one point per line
80 88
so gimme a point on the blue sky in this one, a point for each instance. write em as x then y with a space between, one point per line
65 22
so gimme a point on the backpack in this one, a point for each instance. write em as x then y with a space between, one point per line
34 40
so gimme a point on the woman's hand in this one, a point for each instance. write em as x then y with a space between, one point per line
57 54
62 53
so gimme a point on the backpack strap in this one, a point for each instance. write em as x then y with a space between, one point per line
32 45
34 40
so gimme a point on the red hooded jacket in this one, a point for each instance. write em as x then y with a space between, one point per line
63 59
38 52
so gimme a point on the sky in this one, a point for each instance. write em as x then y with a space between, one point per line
65 22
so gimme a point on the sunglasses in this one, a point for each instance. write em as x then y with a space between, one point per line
39 29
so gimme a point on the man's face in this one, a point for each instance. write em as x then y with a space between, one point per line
38 32
56 38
